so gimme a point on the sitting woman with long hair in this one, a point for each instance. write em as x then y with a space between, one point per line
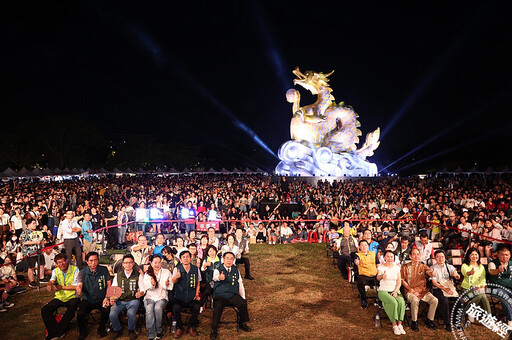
157 282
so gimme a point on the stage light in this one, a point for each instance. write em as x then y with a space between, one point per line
213 215
141 215
184 213
156 214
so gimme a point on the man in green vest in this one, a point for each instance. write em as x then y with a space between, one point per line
128 280
228 290
346 246
63 282
500 271
186 279
95 281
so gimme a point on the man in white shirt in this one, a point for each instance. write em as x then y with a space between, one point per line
70 230
141 251
425 247
129 280
212 240
285 233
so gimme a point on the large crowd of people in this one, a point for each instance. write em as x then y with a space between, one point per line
393 234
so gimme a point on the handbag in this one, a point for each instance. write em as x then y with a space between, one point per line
449 284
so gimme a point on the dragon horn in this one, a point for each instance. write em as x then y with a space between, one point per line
298 73
328 74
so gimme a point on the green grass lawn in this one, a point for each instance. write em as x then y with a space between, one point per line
297 294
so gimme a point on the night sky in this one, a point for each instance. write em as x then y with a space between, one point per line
207 73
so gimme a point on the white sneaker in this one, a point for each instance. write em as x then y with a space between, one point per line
401 329
396 330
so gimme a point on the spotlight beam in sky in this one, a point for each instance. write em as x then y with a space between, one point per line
457 147
273 51
231 152
460 122
152 47
440 63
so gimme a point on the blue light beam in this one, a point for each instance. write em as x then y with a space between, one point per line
460 122
151 46
273 51
457 147
441 62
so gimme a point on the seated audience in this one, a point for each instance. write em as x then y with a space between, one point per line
443 285
261 235
64 281
186 279
367 269
285 233
425 247
500 271
128 280
474 276
141 251
93 285
156 282
414 279
403 251
230 245
228 290
345 246
210 263
389 292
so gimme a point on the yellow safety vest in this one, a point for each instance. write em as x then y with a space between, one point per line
65 279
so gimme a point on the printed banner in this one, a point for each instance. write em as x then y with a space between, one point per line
203 226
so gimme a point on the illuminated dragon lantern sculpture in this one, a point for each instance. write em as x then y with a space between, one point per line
324 134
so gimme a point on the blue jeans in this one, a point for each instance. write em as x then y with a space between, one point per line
189 227
131 306
154 314
121 235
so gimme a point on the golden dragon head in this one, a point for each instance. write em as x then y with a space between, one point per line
312 81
